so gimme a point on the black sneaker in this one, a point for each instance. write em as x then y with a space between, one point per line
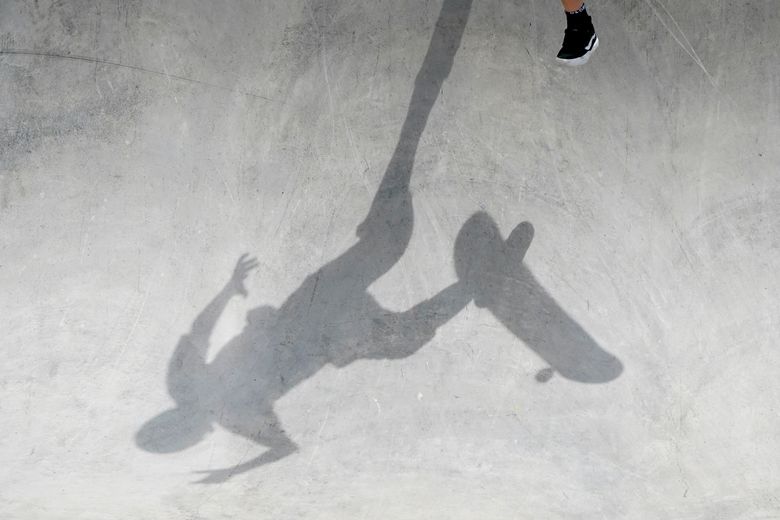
578 44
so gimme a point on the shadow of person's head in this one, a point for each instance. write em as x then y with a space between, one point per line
174 430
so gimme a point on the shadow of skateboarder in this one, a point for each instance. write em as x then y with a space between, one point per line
332 319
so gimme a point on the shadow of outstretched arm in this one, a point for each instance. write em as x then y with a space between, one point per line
189 358
265 430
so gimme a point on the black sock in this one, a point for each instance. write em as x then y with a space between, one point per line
578 18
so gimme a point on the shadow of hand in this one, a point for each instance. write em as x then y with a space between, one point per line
244 266
215 476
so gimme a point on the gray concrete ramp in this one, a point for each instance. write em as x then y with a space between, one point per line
341 259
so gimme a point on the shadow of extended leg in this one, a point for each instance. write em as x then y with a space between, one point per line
386 230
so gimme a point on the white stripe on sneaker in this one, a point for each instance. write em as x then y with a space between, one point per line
590 44
582 60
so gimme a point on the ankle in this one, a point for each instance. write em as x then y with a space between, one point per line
579 18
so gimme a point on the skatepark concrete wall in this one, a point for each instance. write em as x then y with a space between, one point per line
474 283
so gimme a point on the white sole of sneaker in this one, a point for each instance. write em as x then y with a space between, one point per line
582 60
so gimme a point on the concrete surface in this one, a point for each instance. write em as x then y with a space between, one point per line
477 285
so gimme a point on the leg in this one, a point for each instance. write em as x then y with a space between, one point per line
571 6
580 39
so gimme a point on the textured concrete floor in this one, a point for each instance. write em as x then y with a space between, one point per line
485 286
